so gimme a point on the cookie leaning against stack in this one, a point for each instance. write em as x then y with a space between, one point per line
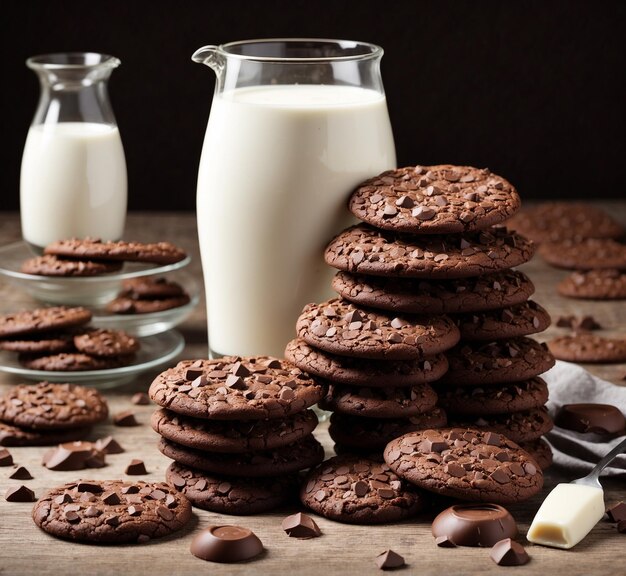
238 430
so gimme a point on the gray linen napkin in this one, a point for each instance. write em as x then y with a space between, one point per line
571 384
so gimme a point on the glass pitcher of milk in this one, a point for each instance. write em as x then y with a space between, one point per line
73 176
295 125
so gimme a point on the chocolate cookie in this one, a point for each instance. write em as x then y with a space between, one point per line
236 388
49 265
588 254
521 320
72 362
366 250
96 249
11 435
606 284
285 460
47 406
111 511
586 347
371 434
441 199
556 221
106 343
231 495
42 320
379 402
159 287
540 451
477 363
498 399
519 426
127 305
339 327
233 436
488 292
358 491
465 463
42 343
363 372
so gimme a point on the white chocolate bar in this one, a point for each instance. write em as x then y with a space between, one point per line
567 515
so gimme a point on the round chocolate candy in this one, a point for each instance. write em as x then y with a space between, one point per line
603 419
226 543
474 524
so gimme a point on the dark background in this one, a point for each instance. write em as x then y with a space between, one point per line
533 90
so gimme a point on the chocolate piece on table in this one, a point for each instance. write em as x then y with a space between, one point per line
21 473
5 457
73 456
140 399
617 512
301 526
126 419
621 526
507 552
603 419
444 542
389 559
136 468
474 524
19 494
109 445
226 544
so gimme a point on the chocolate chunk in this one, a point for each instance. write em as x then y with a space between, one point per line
507 552
444 542
21 473
621 526
389 560
73 456
136 468
226 544
301 526
5 457
603 419
474 524
140 399
19 494
108 445
617 512
125 419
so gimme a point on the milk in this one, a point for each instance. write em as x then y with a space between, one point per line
278 164
73 182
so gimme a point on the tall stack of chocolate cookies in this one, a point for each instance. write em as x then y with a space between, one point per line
238 429
431 242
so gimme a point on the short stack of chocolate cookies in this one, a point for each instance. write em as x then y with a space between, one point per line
238 429
432 241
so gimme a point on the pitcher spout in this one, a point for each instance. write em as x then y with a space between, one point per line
211 57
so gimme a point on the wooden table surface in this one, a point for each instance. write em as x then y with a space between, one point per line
343 549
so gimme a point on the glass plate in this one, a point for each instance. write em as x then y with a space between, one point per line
155 351
87 291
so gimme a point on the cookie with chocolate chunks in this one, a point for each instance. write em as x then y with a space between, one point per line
372 433
540 451
355 490
126 305
73 362
519 427
588 254
521 320
42 343
366 250
364 372
419 296
231 495
259 464
49 265
465 463
11 435
42 320
586 347
236 388
339 327
112 511
97 249
379 402
606 284
233 436
103 342
48 406
513 360
442 199
152 288
496 399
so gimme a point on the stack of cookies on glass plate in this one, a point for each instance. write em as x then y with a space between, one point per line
238 429
432 242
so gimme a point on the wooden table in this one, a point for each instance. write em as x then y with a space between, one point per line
343 549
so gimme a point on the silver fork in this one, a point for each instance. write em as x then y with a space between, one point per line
593 478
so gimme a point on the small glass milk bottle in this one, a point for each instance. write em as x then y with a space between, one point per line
73 179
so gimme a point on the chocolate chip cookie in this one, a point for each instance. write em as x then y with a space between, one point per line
441 199
607 284
111 511
73 362
42 320
465 463
236 388
586 347
106 343
587 254
340 327
540 451
42 343
366 250
49 265
126 305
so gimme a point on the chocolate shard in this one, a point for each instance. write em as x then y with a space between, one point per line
109 445
21 473
507 552
389 560
126 418
301 526
140 399
5 457
444 542
19 494
616 512
136 468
